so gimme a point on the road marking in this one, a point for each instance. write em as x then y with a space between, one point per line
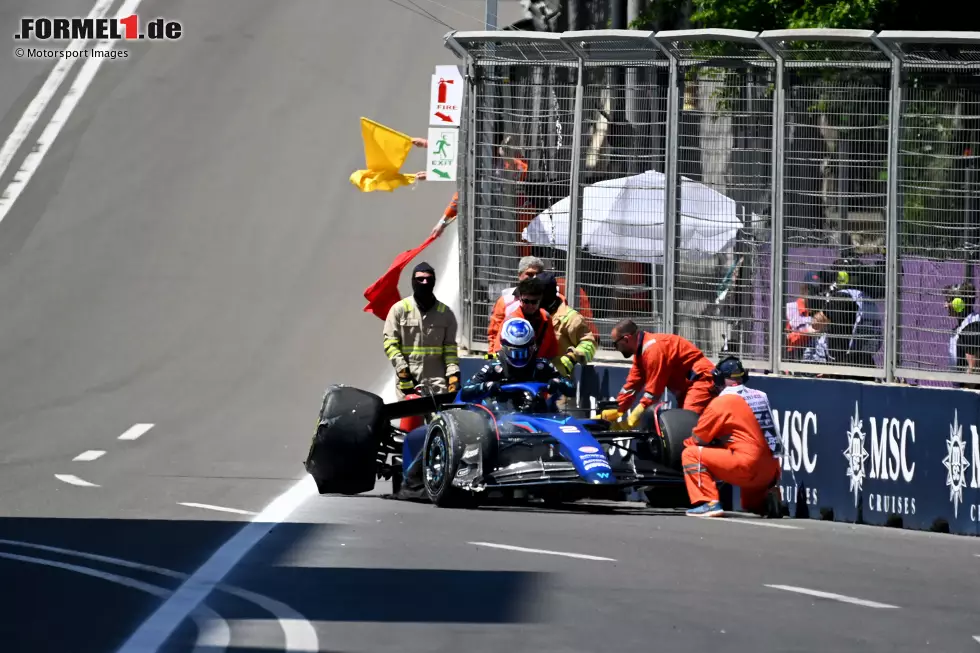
87 456
208 621
47 92
542 551
153 632
977 637
835 597
68 103
207 506
71 479
299 632
135 431
755 522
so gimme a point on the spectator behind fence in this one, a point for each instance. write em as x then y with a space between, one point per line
964 343
838 316
801 331
865 321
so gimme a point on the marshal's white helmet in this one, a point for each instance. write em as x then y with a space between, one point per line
517 345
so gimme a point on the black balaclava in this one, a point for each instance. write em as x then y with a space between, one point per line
424 293
549 297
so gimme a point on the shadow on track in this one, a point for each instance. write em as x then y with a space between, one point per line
86 575
669 501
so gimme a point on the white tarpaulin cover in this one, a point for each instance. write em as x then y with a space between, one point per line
623 219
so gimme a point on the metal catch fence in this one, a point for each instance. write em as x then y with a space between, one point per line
806 199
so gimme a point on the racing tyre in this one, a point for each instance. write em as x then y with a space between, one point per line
442 454
676 425
343 458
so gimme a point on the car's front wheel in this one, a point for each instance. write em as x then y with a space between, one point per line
440 460
442 456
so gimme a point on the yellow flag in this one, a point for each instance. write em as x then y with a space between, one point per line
385 151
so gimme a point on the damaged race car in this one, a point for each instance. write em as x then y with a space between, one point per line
519 446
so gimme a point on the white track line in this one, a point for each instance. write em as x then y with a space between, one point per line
40 102
208 621
153 632
834 597
71 479
753 522
88 456
977 637
299 632
74 95
208 506
135 431
565 554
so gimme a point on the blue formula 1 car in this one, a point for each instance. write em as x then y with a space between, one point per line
518 445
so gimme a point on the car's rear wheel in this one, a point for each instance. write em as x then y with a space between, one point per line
343 457
676 425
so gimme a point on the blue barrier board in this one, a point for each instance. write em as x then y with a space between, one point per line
870 453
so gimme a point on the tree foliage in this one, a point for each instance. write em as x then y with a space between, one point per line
758 15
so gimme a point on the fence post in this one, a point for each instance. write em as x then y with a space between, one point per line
891 221
672 192
776 213
467 207
576 191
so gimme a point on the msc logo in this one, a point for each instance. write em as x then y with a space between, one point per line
888 458
856 454
958 461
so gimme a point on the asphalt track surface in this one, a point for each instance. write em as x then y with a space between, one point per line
190 255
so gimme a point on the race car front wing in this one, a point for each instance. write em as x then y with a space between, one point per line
534 459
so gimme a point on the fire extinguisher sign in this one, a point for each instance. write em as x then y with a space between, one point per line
446 97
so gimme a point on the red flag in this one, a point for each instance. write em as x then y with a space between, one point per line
383 293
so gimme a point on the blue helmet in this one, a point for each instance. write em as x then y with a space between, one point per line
517 344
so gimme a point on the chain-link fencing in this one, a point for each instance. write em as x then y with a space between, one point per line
806 199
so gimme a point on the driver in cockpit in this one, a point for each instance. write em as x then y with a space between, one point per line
515 362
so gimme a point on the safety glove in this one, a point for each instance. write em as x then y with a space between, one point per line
405 381
453 383
611 414
556 387
568 364
634 416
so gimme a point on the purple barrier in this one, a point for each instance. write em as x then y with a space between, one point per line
924 326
